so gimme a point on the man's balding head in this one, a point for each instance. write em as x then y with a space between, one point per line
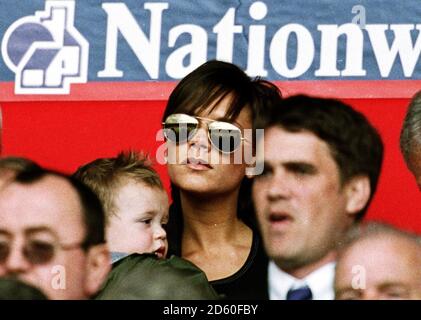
41 210
381 262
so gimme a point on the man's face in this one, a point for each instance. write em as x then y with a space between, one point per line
137 224
414 164
299 200
379 268
32 217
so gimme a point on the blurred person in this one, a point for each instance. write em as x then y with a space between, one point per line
211 218
410 138
14 289
134 201
322 161
52 234
1 131
379 262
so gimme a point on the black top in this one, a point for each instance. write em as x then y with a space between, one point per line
250 282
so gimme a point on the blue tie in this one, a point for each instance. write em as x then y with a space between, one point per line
303 293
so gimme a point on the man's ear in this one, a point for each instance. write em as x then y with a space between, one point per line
358 192
98 266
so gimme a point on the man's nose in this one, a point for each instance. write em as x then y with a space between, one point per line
279 187
16 262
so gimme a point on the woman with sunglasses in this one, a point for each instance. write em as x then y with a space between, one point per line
208 125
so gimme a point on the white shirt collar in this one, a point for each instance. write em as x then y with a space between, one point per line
320 282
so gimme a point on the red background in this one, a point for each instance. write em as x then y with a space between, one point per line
65 134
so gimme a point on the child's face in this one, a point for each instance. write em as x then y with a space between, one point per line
137 225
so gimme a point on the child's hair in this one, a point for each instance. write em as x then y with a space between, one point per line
105 175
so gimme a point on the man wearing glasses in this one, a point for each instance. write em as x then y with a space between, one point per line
52 233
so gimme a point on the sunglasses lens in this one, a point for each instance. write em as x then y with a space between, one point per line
180 127
4 251
179 132
39 252
225 136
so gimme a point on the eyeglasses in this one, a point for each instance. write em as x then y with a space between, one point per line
224 136
36 251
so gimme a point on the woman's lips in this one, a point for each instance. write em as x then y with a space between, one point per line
197 164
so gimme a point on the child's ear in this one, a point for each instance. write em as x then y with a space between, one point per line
358 192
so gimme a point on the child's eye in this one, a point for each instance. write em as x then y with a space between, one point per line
146 221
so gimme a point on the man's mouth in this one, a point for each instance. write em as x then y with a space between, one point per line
279 219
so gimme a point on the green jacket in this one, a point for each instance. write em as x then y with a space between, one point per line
146 277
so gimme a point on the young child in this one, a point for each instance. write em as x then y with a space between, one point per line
134 200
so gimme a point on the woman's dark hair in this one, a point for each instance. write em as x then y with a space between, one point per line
206 86
214 80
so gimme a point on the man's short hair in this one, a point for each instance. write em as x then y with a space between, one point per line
16 164
354 143
410 138
92 211
105 175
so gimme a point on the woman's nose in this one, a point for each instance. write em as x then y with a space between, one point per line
200 138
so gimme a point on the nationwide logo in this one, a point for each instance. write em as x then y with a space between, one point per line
141 40
45 51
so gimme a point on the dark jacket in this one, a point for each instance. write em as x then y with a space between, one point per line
146 277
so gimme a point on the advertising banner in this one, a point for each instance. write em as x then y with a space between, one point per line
133 48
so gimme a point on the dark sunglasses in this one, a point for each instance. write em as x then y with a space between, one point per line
36 251
224 136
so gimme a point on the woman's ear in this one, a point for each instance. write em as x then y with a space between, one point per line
255 159
358 192
251 169
249 175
